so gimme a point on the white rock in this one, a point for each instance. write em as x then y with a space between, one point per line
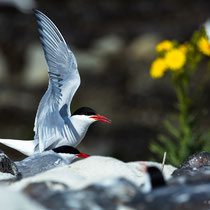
85 172
139 166
16 201
60 174
97 168
94 169
4 176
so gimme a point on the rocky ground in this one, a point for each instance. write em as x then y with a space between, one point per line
100 182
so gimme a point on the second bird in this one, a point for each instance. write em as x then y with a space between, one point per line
47 160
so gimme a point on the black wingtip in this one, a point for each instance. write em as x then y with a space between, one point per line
35 10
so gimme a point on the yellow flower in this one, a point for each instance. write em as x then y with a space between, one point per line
175 59
157 68
164 45
204 46
183 48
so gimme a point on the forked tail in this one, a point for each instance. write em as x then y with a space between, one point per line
27 147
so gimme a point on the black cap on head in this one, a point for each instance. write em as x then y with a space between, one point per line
84 111
156 176
66 149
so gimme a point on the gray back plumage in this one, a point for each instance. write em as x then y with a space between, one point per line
40 162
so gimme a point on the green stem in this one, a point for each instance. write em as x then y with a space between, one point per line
181 84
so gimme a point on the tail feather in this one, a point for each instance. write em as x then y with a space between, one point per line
27 147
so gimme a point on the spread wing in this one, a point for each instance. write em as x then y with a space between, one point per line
64 80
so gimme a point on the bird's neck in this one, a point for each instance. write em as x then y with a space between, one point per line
68 158
79 128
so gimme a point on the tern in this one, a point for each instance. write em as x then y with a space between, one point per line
47 160
154 179
54 125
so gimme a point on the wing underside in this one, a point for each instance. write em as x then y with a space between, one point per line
64 80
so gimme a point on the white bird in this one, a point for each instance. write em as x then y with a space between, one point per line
153 179
47 160
54 124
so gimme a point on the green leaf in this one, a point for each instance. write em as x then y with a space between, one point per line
174 131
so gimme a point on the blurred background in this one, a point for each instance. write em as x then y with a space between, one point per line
114 43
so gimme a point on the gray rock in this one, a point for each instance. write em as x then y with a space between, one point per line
193 164
7 165
174 198
110 194
191 179
119 194
41 190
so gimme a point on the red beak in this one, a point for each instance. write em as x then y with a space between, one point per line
101 118
83 155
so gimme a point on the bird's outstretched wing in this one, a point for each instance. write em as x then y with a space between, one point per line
64 80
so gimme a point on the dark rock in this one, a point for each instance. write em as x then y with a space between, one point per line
194 164
174 198
198 160
191 179
107 195
7 165
119 193
39 191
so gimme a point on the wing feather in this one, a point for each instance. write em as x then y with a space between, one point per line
64 80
